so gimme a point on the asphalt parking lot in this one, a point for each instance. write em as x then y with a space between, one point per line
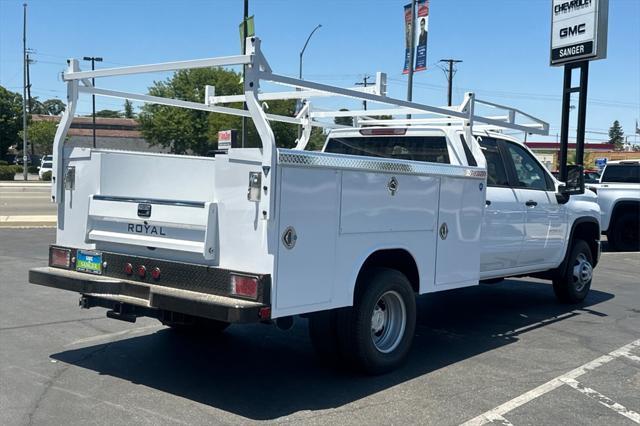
506 353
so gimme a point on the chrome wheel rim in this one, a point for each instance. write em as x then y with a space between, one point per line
582 272
388 321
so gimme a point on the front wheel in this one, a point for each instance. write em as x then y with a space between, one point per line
573 286
377 332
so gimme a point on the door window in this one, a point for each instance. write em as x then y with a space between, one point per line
529 173
496 172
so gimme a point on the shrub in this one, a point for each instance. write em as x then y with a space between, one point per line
46 176
8 172
32 169
3 163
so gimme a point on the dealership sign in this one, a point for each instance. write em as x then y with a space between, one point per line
578 30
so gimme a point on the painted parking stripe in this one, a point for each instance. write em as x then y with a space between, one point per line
552 384
499 420
604 400
631 356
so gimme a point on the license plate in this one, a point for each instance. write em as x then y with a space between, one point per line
89 261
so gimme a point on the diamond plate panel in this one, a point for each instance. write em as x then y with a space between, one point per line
351 162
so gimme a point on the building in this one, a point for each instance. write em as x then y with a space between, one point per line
111 133
548 152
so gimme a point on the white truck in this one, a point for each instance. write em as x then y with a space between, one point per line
619 199
346 237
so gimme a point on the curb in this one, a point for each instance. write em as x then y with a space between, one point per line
25 184
28 221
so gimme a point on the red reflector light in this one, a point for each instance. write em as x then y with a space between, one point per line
142 271
155 273
59 257
128 269
382 132
244 286
265 313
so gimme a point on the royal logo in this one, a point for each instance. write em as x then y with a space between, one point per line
145 229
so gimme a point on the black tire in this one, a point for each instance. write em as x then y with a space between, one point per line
574 283
387 291
324 337
624 234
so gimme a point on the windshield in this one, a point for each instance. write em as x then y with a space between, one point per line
431 149
621 173
47 165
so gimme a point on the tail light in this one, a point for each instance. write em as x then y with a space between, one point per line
142 271
244 286
155 273
60 257
128 269
383 132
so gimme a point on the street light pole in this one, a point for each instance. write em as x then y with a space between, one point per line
305 47
93 60
300 67
24 96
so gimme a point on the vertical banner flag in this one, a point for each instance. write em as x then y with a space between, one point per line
420 33
408 32
422 30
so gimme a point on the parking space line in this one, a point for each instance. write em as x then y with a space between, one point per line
552 384
632 357
604 400
498 419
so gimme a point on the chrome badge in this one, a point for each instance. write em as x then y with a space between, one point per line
392 186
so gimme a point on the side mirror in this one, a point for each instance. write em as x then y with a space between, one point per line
575 181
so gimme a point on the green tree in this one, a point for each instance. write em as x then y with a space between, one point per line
40 134
190 131
108 113
128 109
316 139
345 121
54 106
10 119
616 135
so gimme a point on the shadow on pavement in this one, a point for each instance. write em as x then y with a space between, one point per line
263 373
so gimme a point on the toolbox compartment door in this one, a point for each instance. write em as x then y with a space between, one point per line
458 232
167 224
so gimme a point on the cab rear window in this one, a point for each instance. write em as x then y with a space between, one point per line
431 149
621 173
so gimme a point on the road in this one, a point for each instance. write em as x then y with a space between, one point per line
507 352
25 199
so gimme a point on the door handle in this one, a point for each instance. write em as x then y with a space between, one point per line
531 203
488 202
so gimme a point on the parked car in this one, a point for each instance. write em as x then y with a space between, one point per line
619 199
46 166
46 158
346 237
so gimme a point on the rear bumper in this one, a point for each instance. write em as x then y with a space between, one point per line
149 298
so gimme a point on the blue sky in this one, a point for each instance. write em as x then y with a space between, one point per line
504 45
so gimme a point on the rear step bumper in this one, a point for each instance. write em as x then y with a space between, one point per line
144 299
